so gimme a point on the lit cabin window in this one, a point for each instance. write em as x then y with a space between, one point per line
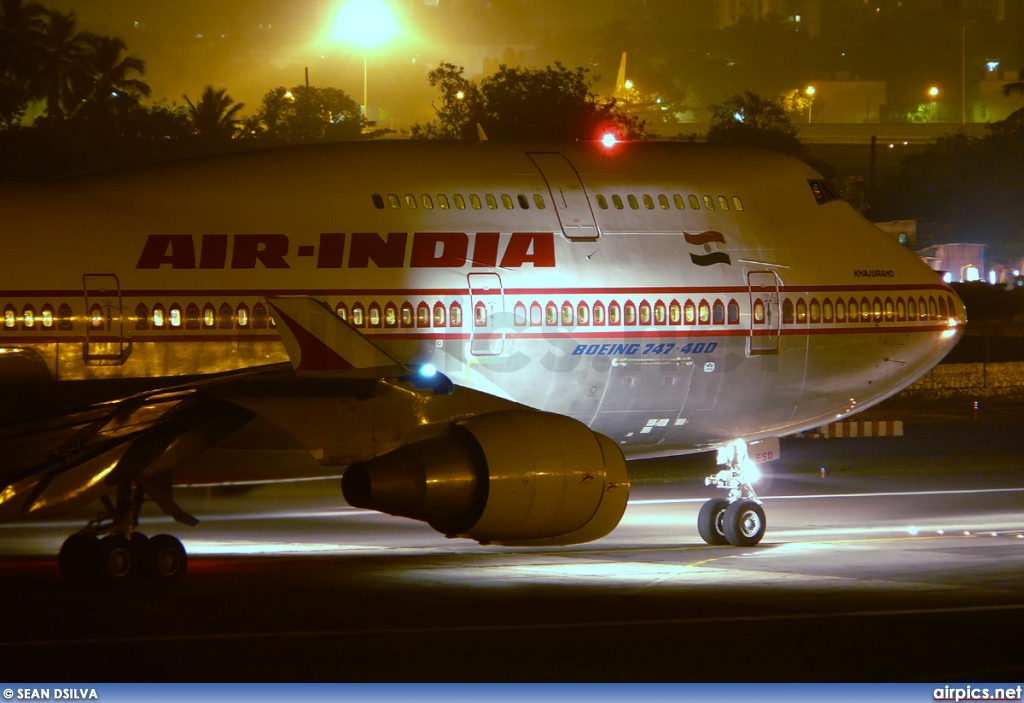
492 203
827 311
442 202
410 201
406 314
648 202
551 315
422 315
840 310
64 317
718 313
645 313
660 313
209 316
474 201
158 316
391 315
801 311
614 314
28 317
173 316
704 313
678 200
440 315
759 312
675 313
567 315
690 313
911 309
617 202
582 314
455 315
633 204
943 310
242 316
853 311
358 315
629 313
737 203
933 310
890 310
663 201
602 202
734 312
536 316
519 315
877 310
506 200
225 318
342 311
694 202
598 313
46 317
709 202
524 202
865 310
815 309
427 202
373 316
723 202
538 201
460 202
378 201
922 309
395 202
96 317
480 315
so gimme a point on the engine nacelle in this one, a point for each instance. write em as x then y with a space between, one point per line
514 477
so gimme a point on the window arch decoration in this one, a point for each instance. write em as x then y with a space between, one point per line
141 317
242 316
455 314
440 315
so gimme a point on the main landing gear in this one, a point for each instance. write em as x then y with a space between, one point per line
738 520
110 550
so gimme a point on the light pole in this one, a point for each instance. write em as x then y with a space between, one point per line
933 93
810 101
365 23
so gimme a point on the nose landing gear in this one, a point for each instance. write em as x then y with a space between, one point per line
738 520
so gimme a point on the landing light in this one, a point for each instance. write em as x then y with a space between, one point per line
912 530
609 140
428 371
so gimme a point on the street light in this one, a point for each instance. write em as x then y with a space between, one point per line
933 93
810 101
365 23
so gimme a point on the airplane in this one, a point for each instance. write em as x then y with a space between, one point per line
478 334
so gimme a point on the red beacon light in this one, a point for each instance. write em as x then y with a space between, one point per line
609 140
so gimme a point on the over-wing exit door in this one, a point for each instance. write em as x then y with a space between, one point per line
105 342
765 318
569 195
487 306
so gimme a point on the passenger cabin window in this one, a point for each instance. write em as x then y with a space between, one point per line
524 202
663 201
602 202
460 202
378 201
678 199
474 201
617 202
538 200
506 200
823 191
395 202
694 202
633 204
410 200
648 202
492 203
442 202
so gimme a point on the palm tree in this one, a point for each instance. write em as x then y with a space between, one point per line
62 66
213 117
110 84
21 28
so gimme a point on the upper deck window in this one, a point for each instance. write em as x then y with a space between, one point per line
823 192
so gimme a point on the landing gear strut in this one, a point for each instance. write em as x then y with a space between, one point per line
110 550
740 520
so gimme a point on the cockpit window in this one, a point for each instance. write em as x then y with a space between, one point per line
823 191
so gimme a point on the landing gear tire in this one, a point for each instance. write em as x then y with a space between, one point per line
744 523
166 560
76 557
711 521
116 560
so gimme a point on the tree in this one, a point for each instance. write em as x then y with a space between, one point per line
21 29
521 103
215 116
306 114
111 91
750 120
62 74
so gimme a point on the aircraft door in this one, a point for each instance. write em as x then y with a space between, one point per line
568 194
765 315
105 342
487 314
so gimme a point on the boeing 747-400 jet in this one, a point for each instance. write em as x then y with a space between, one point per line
478 333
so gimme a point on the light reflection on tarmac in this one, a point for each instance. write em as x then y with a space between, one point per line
879 576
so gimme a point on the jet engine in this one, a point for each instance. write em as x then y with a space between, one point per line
514 477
